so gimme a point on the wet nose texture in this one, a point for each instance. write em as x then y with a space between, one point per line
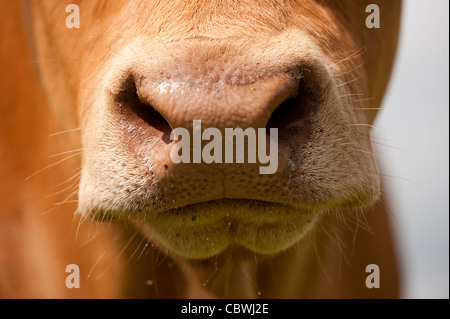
151 108
220 105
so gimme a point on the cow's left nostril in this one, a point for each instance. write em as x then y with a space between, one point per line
142 114
293 117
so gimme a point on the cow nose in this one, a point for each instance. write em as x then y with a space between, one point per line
221 105
151 109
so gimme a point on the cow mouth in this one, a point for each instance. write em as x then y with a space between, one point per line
233 209
206 229
262 209
203 230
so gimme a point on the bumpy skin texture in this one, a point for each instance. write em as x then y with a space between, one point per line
229 65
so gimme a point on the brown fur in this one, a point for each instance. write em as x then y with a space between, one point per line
209 42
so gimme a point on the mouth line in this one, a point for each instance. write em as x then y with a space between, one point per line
235 209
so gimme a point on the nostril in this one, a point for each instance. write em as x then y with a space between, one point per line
142 114
293 117
150 116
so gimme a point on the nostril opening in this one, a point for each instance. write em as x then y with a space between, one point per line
151 117
294 116
143 114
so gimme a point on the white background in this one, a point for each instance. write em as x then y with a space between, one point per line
414 124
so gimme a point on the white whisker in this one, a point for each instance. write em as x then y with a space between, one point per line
66 131
52 165
348 82
72 151
347 58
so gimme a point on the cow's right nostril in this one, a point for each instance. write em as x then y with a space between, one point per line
143 115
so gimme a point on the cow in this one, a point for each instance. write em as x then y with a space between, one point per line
91 93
